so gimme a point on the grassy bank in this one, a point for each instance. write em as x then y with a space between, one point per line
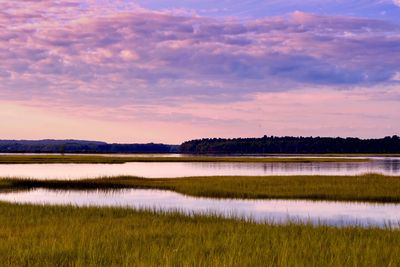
70 236
371 187
37 159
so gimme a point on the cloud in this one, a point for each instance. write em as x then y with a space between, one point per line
396 77
362 112
112 54
129 55
396 2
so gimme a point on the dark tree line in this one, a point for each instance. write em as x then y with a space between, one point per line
264 145
291 145
77 146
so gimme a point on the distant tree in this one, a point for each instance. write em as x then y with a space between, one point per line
62 149
291 145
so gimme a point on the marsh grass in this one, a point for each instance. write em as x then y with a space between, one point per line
70 236
98 159
370 187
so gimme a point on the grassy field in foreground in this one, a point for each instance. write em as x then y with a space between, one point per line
70 236
371 187
29 159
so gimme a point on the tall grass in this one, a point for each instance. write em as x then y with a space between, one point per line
371 187
70 236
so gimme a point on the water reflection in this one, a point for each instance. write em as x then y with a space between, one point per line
181 169
276 211
97 154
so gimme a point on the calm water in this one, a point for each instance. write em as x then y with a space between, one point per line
388 166
276 211
111 155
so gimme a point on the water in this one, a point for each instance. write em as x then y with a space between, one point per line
387 166
164 155
274 211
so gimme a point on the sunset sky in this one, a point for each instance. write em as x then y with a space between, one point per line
169 71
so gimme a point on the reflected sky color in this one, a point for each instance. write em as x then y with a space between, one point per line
168 71
276 211
180 169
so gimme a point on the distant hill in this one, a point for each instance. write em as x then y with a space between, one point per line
80 146
291 145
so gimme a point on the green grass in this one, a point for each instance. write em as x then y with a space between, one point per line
70 236
371 187
41 159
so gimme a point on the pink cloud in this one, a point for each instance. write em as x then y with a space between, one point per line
162 49
129 55
182 68
319 111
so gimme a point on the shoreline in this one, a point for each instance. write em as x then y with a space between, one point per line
97 159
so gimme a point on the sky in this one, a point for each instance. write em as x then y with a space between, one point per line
169 71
